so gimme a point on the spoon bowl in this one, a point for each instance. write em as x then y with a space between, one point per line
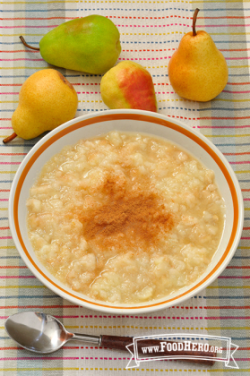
41 333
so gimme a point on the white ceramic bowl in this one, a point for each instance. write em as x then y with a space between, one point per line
131 121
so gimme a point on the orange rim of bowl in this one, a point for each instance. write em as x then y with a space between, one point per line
146 118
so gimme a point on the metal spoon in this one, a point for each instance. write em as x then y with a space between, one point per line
44 334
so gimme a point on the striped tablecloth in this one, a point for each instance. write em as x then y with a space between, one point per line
150 32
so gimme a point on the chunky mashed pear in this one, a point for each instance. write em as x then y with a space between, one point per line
125 218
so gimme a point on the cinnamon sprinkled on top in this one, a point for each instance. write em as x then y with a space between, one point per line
126 217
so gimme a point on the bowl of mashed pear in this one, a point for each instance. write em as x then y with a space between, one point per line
125 211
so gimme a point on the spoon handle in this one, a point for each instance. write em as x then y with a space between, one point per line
120 343
115 342
94 340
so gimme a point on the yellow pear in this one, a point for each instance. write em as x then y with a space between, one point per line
198 70
46 100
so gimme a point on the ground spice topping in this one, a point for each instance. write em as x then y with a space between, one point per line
126 217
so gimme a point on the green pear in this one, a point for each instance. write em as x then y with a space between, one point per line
46 100
197 70
90 44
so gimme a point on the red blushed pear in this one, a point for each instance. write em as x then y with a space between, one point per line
128 85
198 70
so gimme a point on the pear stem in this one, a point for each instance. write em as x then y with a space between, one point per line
10 138
194 20
27 45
